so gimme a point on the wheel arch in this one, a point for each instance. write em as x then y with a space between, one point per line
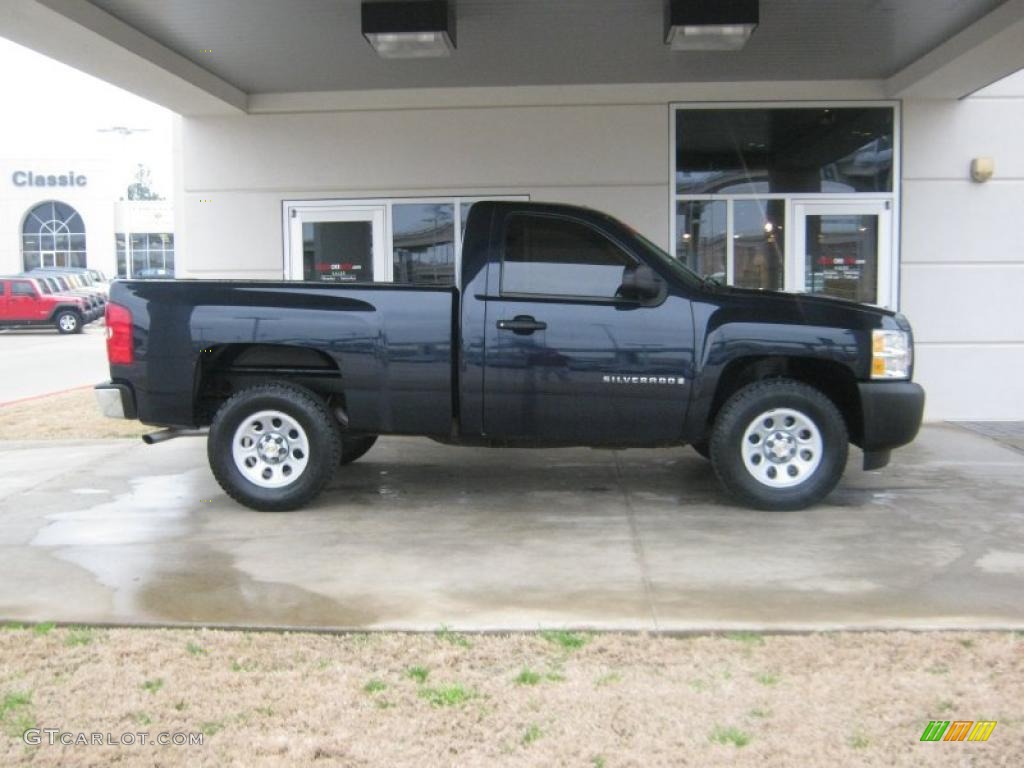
835 380
224 369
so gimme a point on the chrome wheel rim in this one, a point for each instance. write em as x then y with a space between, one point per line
270 449
68 322
782 448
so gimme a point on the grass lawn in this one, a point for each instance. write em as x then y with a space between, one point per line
70 415
550 698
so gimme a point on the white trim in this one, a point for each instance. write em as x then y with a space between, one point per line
790 281
880 207
651 94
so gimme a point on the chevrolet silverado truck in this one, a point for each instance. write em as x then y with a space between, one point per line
568 329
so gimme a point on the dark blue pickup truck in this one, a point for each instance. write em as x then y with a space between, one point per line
568 328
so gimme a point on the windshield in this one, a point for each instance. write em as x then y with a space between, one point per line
43 287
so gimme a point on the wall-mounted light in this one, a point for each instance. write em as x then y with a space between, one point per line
982 169
410 30
710 25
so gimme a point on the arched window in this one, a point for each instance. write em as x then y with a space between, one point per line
53 235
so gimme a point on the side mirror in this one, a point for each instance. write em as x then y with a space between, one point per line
640 282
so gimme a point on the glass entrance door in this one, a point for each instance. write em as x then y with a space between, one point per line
844 249
338 245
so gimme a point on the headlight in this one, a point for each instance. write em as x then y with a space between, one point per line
891 355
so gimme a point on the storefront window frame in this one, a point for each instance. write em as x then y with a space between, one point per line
792 278
290 208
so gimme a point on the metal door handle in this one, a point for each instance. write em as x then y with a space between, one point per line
522 325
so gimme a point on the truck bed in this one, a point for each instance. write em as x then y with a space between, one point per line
389 345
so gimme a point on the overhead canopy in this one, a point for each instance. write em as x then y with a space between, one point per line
199 57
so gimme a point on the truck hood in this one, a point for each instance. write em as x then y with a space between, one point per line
810 308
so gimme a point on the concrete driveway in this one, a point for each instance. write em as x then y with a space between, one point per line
38 361
417 535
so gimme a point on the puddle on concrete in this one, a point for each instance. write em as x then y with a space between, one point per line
146 546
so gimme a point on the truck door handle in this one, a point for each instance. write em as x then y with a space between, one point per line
522 325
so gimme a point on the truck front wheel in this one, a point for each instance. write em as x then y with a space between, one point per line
274 447
779 444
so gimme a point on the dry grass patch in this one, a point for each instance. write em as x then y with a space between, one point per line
66 416
266 699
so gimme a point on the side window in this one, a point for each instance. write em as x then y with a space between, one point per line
3 287
22 289
552 256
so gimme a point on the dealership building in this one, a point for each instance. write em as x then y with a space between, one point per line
70 212
866 149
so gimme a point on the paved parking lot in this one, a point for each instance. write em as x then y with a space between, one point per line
417 535
39 361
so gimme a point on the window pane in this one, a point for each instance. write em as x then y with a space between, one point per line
156 242
22 289
337 251
799 150
553 256
701 233
424 243
139 265
138 242
842 256
759 243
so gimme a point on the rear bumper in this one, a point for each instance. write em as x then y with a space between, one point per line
116 401
892 413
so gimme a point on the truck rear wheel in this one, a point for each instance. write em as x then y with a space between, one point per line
779 444
355 446
68 321
273 447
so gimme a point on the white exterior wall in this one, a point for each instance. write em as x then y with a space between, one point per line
962 275
94 202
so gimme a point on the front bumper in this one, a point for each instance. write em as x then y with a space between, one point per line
116 401
892 412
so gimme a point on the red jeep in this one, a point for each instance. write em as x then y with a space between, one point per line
23 303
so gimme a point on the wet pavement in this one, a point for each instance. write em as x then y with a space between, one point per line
417 535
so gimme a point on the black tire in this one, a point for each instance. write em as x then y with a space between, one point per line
321 436
355 447
68 321
740 420
702 447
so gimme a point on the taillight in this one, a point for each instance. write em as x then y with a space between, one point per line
120 347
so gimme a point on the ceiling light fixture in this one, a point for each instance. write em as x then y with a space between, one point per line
710 25
410 30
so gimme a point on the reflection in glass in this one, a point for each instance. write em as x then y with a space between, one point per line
337 251
559 257
701 233
424 243
759 243
787 150
842 256
122 257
